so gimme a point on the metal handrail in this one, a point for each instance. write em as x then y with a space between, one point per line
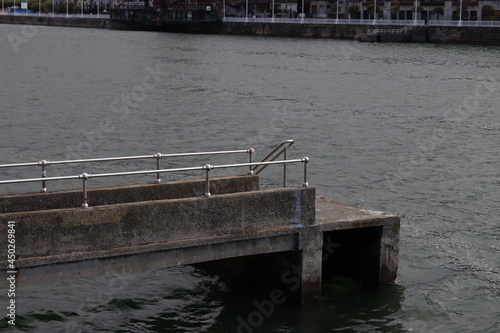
158 156
401 31
277 152
281 149
86 176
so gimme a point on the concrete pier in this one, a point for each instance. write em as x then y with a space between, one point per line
130 228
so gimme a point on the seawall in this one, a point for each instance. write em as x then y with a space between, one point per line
426 34
47 19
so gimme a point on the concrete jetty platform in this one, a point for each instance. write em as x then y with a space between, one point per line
140 227
286 234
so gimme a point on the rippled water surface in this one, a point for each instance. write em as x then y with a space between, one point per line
412 129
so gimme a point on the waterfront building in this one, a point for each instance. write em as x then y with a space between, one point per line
405 10
487 10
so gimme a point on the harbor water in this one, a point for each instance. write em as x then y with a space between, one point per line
411 129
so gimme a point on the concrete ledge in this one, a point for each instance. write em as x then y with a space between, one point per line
47 19
324 235
57 233
123 194
335 215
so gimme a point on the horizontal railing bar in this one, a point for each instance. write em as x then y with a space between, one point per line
32 180
122 158
144 172
103 159
19 165
257 163
99 175
207 153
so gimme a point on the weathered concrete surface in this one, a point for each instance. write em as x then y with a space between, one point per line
340 31
157 256
311 246
426 34
47 19
123 194
58 244
464 35
63 235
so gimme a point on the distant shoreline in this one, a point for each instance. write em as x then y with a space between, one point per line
424 34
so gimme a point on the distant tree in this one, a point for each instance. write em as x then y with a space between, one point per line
34 7
77 9
353 10
370 9
62 7
488 13
333 11
438 11
47 6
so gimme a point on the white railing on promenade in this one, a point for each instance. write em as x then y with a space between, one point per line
443 23
464 23
323 21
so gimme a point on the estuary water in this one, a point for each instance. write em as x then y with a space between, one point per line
412 129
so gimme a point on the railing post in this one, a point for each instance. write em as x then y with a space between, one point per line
284 168
207 168
305 160
43 164
84 176
158 157
251 151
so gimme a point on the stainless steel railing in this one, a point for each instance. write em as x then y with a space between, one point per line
207 168
158 156
253 167
281 149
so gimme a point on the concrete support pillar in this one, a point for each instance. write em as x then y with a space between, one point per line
389 252
311 246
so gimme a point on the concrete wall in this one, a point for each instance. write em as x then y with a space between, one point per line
64 235
47 19
340 31
464 35
123 194
457 35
